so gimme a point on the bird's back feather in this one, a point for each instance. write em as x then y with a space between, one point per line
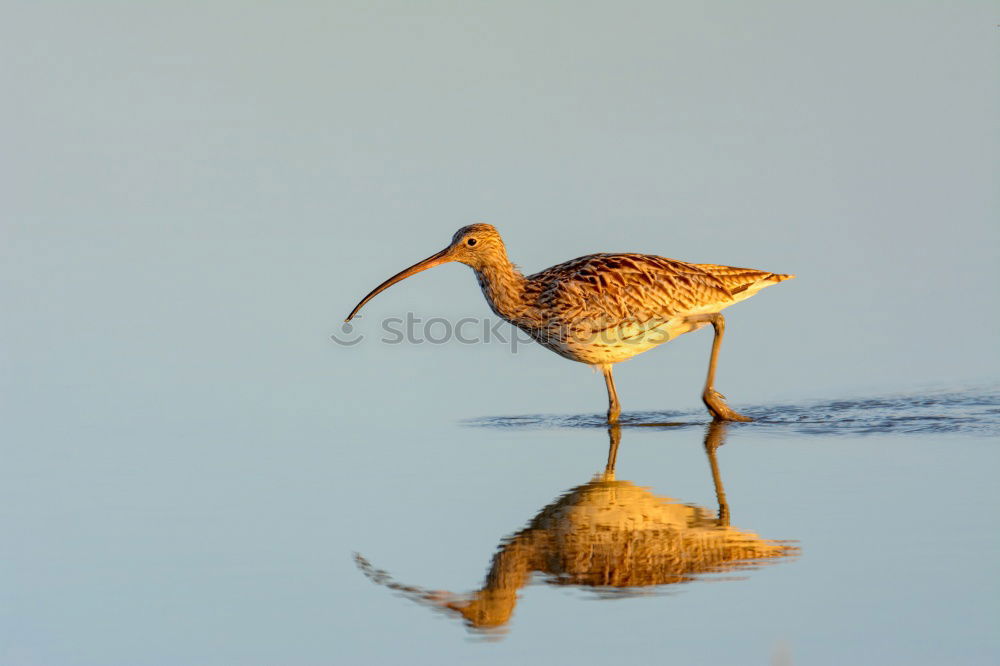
615 288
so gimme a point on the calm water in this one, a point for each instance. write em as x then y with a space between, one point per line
828 533
874 519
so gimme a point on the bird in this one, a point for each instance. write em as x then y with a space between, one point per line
601 309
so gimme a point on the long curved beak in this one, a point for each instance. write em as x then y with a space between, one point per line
435 259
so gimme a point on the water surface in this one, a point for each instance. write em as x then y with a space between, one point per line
854 532
973 411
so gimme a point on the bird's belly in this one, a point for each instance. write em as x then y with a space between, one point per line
614 344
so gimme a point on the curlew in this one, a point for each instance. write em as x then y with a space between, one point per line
602 308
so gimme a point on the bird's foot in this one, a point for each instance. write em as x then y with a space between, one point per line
717 407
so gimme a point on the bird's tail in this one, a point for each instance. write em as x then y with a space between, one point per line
743 283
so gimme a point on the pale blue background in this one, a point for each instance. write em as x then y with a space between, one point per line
195 194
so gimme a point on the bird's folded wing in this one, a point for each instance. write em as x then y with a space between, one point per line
602 291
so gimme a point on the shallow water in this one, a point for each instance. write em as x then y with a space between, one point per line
854 531
859 531
972 411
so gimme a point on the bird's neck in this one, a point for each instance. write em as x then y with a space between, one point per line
503 286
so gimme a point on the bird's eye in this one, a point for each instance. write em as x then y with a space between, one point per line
470 242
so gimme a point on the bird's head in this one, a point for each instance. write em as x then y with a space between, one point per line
476 245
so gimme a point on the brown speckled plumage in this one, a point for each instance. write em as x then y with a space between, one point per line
599 309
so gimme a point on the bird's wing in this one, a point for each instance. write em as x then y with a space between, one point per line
602 291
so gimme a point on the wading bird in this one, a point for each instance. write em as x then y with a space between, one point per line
602 308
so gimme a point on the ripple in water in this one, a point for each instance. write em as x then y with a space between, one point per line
971 411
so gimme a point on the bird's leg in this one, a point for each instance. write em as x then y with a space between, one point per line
614 409
715 401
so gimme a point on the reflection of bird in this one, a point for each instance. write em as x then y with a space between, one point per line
610 536
603 308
